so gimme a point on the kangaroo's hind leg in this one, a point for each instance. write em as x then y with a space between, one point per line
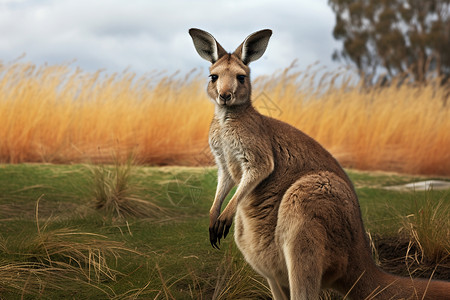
278 292
301 241
311 234
303 253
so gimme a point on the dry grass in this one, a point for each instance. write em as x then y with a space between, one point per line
115 193
403 129
49 258
428 229
28 278
236 280
55 114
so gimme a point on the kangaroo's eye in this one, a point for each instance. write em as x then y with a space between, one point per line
213 77
241 78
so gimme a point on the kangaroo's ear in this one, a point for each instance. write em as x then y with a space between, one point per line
206 45
254 46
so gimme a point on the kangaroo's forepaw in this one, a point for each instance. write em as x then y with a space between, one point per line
218 230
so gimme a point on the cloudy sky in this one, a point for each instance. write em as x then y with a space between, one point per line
153 35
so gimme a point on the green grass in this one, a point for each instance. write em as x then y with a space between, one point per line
55 244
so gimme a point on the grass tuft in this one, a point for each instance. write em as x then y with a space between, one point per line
115 193
429 227
30 278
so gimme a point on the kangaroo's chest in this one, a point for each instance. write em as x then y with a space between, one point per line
228 150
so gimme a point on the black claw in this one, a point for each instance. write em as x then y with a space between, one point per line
220 231
227 229
216 228
214 244
213 238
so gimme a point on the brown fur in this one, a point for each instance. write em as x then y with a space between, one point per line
297 216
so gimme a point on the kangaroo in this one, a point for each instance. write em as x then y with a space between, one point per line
296 213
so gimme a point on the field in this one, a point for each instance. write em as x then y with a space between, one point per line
53 114
90 209
55 244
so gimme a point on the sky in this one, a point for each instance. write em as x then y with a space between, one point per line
147 36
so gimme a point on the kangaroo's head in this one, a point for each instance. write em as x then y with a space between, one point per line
230 74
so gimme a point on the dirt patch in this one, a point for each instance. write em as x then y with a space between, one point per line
398 256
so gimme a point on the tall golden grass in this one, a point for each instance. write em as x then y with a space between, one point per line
55 114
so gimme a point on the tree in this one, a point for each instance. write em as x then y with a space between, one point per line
398 36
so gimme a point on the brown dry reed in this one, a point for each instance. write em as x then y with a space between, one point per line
57 114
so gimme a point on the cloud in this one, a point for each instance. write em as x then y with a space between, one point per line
152 35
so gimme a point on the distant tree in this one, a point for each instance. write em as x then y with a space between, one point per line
398 36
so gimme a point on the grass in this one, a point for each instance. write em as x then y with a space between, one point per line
49 259
428 227
235 280
113 192
54 114
55 245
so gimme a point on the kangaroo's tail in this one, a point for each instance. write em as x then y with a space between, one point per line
381 285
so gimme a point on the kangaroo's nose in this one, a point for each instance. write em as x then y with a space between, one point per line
225 96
